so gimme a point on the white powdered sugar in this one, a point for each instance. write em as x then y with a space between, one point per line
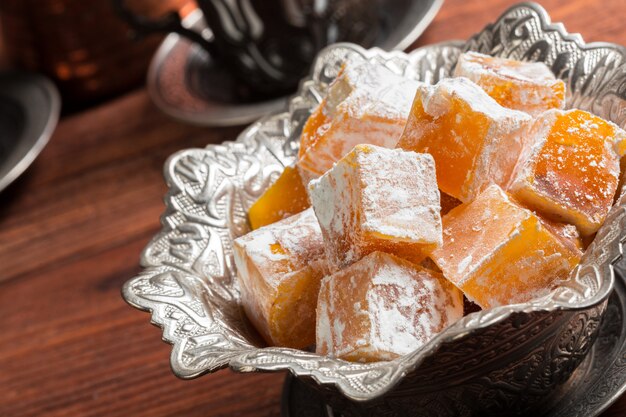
294 241
373 91
464 264
325 307
528 72
505 142
400 197
537 137
435 99
376 194
382 307
334 198
408 307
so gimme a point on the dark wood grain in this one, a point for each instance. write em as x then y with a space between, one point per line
71 231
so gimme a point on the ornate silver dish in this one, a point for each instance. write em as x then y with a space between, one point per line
498 361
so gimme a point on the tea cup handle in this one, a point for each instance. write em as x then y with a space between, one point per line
171 22
236 31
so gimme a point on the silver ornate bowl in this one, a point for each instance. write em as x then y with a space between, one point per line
493 361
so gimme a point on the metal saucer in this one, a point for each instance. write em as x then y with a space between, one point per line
181 74
597 383
29 111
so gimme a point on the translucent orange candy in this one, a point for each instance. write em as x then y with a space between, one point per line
279 268
570 171
286 197
367 103
525 86
382 307
378 199
498 252
474 141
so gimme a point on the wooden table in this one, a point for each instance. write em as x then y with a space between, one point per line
71 231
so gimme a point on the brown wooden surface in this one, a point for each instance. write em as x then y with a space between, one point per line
71 231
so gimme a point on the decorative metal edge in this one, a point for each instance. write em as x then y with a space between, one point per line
388 374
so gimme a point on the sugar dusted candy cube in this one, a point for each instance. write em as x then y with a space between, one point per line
498 252
382 307
279 268
570 170
286 197
367 103
378 199
525 86
474 141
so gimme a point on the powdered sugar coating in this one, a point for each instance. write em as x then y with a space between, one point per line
570 169
372 91
436 98
382 307
335 200
475 142
279 268
399 195
366 103
287 245
472 64
526 86
378 199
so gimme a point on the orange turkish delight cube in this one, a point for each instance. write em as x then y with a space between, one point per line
367 103
570 171
378 199
285 197
498 252
474 141
279 268
382 307
527 86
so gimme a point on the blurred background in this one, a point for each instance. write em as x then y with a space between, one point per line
89 52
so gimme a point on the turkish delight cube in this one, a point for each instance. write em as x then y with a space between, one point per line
570 171
498 252
475 142
527 86
382 307
367 103
378 199
279 269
